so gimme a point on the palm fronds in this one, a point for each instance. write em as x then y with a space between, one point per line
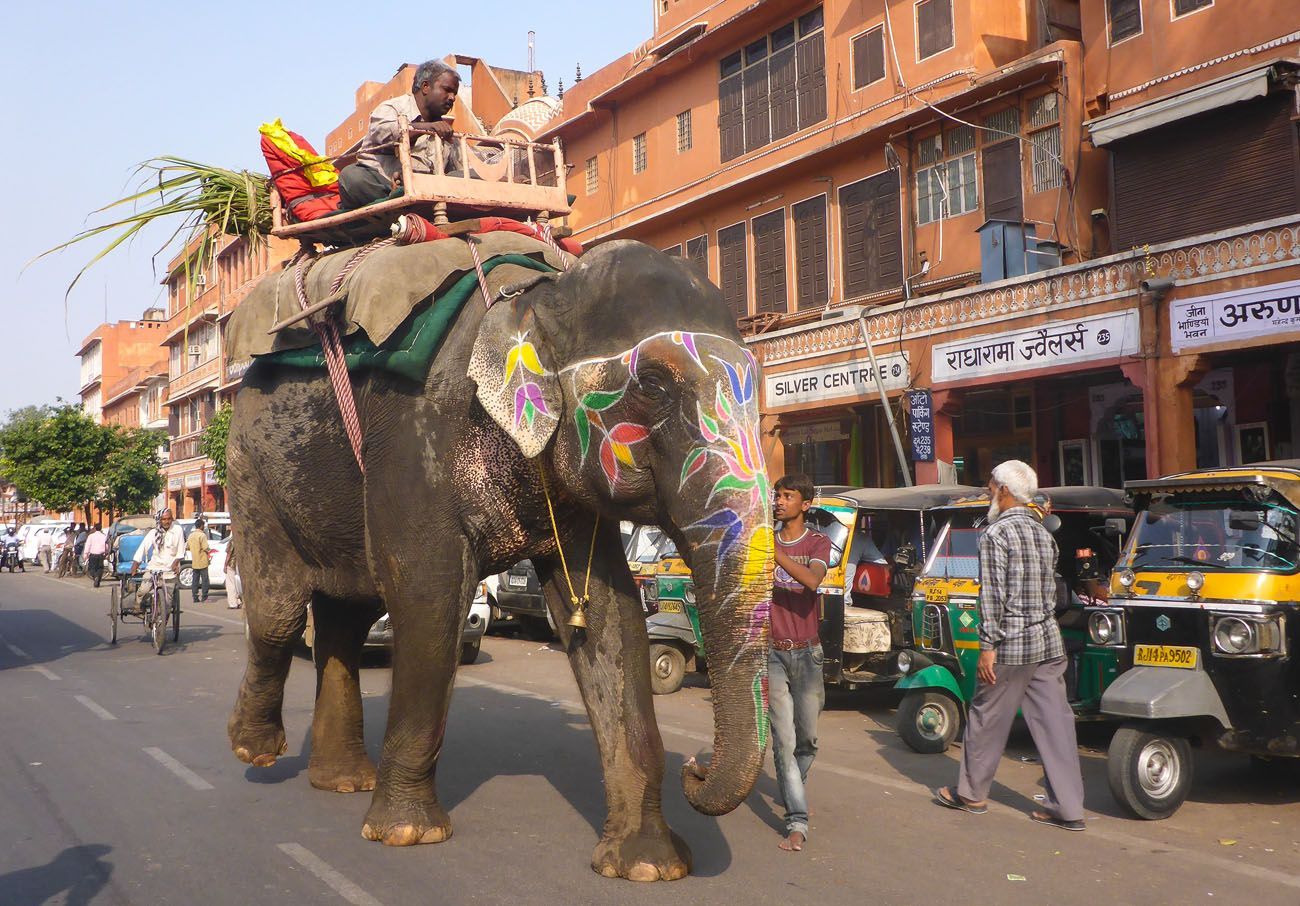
205 201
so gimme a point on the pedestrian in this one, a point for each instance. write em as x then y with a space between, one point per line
200 558
96 548
1022 658
65 544
796 693
44 548
234 591
80 549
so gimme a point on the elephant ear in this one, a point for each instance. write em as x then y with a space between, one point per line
515 382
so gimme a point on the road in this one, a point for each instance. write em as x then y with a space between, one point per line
120 788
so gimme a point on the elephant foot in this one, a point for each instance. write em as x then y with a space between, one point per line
351 775
643 857
416 823
259 746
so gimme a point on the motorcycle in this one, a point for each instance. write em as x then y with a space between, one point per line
9 556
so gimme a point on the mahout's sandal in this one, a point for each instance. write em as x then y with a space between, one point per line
948 798
1056 821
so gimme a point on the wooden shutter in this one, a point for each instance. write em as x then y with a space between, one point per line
783 89
870 232
933 26
1125 18
732 269
731 117
813 283
1210 172
1003 195
697 249
869 57
758 128
811 64
769 263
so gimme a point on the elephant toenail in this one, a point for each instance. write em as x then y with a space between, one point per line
643 871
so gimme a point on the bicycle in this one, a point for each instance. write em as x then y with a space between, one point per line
153 610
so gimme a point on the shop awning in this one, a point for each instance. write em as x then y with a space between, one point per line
1241 87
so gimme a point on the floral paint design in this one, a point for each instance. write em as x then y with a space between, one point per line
528 399
616 440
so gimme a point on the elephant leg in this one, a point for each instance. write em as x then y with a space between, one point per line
338 749
428 615
276 612
612 667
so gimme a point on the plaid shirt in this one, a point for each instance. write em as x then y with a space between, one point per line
1018 590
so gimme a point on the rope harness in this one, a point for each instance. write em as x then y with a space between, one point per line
579 603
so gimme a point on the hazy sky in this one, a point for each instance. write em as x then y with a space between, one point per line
91 90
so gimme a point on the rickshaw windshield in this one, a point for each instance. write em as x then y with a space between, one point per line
650 545
1218 534
825 520
955 555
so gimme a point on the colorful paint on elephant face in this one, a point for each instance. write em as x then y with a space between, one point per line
528 400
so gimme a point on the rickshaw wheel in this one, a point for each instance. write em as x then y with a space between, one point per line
114 612
176 616
1150 773
159 617
929 721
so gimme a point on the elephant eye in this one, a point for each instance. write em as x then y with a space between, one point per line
653 386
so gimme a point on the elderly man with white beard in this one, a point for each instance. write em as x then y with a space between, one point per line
1022 658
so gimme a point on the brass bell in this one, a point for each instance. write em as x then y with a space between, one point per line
579 618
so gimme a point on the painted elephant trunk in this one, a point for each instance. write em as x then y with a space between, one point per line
734 603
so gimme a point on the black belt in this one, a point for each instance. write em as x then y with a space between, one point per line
792 645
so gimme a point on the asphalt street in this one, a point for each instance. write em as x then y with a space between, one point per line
120 788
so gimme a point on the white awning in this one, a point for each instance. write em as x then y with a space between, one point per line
1241 87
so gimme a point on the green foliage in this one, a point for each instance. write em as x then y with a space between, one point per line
213 442
59 456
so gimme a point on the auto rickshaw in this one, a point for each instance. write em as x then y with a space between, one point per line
1203 608
938 672
878 537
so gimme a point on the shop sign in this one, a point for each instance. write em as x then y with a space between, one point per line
210 476
1061 343
193 481
236 370
920 424
1239 315
847 381
174 483
817 433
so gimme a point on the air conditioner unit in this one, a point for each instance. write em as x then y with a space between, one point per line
194 350
200 279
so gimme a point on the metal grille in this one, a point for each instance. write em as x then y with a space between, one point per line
593 176
961 140
930 149
1043 111
638 153
1047 156
1004 122
933 621
684 140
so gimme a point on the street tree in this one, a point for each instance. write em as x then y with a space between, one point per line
213 442
130 477
57 459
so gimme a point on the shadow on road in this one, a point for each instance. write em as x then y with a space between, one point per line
46 637
79 873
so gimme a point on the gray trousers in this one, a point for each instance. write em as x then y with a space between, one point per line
1037 690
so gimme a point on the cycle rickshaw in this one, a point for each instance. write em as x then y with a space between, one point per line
143 598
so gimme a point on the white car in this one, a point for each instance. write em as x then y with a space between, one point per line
218 529
31 544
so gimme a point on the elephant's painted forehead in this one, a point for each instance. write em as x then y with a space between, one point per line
705 351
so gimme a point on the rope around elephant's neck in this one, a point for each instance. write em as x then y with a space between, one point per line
578 603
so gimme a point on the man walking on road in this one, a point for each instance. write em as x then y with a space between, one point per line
200 559
96 548
1022 658
45 549
796 692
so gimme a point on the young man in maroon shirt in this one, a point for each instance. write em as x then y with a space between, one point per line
796 692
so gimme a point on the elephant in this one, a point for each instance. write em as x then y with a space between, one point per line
619 389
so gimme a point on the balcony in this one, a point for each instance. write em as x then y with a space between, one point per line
198 376
185 447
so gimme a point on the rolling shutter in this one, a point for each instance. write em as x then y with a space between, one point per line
1221 169
870 230
731 117
732 269
769 263
813 284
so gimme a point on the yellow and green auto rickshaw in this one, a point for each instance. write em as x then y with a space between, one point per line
1203 608
878 537
938 672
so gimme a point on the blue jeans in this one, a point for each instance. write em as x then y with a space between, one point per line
796 695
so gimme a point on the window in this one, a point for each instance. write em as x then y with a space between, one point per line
733 269
675 251
1045 137
812 285
1183 7
593 176
638 153
869 57
949 187
1125 19
772 87
934 32
769 263
684 141
871 235
697 249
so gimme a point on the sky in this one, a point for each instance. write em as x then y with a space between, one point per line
91 90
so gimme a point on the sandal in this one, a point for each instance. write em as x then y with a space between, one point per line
1056 821
948 798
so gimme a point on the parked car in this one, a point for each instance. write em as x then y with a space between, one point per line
519 596
36 531
217 526
380 637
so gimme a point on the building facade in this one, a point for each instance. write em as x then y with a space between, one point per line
110 353
1017 203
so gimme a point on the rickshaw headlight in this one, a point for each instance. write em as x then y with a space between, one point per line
1106 628
904 662
1126 578
690 596
1233 635
1195 582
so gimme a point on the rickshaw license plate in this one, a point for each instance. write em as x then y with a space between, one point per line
936 596
1164 656
670 606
